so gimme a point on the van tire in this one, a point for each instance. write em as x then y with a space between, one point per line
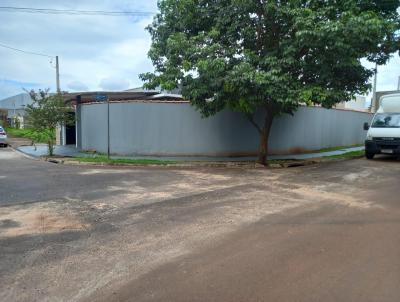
369 155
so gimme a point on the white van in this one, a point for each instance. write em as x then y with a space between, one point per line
383 135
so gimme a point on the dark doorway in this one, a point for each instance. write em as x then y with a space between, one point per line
70 133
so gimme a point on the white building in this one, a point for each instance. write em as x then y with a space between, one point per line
358 104
15 107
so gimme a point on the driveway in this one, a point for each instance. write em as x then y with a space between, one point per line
327 232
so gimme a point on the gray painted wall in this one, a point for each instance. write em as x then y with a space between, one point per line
139 128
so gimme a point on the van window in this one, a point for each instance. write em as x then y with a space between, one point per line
386 120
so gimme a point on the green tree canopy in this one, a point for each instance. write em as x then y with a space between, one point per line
46 112
269 56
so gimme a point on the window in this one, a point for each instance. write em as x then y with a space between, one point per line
386 120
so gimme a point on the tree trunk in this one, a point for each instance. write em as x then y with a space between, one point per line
263 148
264 135
50 148
51 140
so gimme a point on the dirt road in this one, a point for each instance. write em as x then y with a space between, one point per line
328 232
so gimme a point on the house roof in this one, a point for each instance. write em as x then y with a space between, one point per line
112 96
18 101
141 89
157 89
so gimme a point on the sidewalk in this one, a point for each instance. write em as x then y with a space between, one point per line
41 150
71 151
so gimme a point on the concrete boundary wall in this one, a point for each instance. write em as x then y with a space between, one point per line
177 129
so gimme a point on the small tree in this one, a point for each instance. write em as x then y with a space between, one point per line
3 118
269 56
46 112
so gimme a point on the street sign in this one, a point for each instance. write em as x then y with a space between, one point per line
101 97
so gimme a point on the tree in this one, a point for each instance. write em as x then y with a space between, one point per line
46 112
3 118
269 57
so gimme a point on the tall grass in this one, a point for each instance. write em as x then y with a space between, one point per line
31 134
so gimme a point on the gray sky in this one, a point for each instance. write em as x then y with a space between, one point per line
96 52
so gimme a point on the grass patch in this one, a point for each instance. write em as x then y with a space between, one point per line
19 132
348 155
102 159
335 148
294 163
122 161
27 133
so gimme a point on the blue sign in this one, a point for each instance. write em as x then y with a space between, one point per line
101 97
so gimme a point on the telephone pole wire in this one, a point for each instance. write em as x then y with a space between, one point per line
26 51
42 55
52 11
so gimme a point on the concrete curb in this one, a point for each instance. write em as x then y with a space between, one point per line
240 165
284 163
175 165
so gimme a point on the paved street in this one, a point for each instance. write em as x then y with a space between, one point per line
327 232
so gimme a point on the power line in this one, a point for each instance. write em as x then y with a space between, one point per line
51 11
27 52
42 55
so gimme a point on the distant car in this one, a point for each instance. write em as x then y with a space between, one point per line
3 137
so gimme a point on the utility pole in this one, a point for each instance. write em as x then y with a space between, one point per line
398 84
58 75
60 131
108 127
374 104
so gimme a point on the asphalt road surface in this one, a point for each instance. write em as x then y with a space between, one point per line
329 232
